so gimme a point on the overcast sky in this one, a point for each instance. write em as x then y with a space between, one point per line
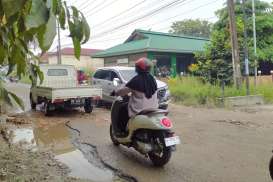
104 16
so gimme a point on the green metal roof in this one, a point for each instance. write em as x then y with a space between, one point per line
155 41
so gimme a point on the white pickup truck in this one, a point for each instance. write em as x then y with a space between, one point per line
60 89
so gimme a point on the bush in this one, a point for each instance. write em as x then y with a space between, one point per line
194 91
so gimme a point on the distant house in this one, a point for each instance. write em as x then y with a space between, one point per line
171 52
68 58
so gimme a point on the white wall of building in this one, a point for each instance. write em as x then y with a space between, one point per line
85 61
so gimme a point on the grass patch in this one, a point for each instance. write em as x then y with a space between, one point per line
192 91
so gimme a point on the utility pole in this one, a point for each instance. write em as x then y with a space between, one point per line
254 42
234 44
59 44
246 49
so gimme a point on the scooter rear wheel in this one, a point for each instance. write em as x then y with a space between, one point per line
114 140
162 158
271 168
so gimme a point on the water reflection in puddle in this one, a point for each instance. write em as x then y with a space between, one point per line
57 139
25 136
80 167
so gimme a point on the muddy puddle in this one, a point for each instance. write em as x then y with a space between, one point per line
57 139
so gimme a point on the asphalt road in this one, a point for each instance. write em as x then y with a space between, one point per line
218 145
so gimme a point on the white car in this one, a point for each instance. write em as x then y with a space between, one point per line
103 78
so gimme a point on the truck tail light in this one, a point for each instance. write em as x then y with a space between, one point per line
56 101
97 98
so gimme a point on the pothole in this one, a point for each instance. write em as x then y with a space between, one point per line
82 160
91 153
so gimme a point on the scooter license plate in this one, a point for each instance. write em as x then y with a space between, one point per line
172 141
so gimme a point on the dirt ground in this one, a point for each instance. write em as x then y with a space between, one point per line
218 145
18 163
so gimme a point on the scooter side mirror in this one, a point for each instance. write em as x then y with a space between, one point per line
116 82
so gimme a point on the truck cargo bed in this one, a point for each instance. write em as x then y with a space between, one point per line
67 93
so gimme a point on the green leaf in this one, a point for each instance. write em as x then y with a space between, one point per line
21 25
17 100
77 47
75 12
2 54
47 34
1 11
39 15
12 7
62 18
5 96
19 59
36 72
67 11
86 29
55 6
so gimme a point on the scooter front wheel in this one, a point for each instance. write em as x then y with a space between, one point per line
271 168
114 140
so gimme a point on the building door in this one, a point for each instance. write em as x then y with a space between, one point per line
163 65
183 63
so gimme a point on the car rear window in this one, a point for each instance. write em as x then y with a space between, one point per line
103 74
128 74
57 72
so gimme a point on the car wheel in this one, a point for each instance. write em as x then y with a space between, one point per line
32 103
88 108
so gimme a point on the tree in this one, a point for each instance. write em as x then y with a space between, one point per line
23 22
198 28
220 46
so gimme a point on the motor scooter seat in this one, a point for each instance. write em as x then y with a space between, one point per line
153 111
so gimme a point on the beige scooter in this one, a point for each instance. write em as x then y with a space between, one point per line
271 167
149 132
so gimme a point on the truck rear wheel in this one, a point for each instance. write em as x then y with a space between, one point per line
47 110
88 108
32 103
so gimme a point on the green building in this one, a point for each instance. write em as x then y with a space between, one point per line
173 53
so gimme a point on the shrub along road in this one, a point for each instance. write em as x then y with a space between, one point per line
217 145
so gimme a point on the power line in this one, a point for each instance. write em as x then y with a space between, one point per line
155 11
97 6
100 35
136 11
183 13
92 13
169 26
176 2
173 3
127 10
84 2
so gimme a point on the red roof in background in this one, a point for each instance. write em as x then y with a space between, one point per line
84 51
70 51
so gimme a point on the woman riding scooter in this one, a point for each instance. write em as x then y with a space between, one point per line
143 89
138 123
